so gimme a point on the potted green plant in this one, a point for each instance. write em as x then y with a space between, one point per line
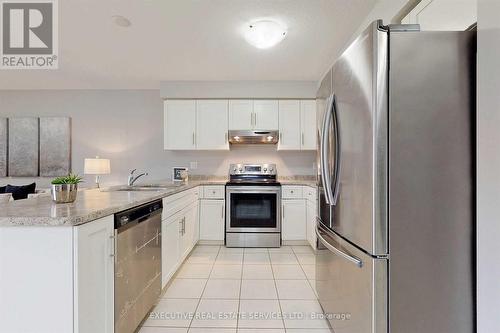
64 189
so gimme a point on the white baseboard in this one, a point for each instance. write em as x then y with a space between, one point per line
210 242
295 242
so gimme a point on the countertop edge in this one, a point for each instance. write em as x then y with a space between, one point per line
71 221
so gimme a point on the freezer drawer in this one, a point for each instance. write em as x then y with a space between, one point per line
351 285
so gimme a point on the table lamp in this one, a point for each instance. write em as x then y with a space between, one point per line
97 166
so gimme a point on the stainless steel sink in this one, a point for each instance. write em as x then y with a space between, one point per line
162 186
134 188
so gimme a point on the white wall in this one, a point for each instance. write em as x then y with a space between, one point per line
488 166
439 15
385 10
238 89
127 127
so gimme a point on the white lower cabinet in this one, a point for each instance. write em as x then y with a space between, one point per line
311 209
293 219
170 247
178 231
212 220
57 279
188 231
299 211
94 276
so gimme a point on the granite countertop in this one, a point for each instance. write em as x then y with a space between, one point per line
92 204
299 182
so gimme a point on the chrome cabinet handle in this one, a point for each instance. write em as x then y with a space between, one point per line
112 241
222 212
194 139
340 253
302 138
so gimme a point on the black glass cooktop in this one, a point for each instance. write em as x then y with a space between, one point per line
243 182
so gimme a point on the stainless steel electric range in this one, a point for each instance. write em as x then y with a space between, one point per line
253 201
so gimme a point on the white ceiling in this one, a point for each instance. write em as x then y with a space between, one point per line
190 40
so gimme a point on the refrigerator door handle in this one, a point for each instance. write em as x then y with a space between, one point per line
338 151
342 254
325 174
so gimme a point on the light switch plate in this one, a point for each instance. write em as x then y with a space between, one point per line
193 165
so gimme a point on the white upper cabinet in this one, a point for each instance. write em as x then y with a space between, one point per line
211 125
289 125
297 122
308 124
455 15
179 124
265 114
241 114
204 124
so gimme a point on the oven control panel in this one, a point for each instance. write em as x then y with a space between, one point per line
252 169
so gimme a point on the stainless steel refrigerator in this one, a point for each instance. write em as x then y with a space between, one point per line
396 183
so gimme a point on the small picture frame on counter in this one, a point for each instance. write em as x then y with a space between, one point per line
179 174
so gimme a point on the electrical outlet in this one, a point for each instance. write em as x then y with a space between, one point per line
193 165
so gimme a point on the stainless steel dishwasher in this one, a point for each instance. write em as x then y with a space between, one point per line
137 264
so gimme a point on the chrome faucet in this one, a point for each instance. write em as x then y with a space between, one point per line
131 179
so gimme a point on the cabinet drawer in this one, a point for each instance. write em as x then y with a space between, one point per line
178 201
291 192
213 192
310 193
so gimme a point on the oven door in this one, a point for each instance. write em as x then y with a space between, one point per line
253 208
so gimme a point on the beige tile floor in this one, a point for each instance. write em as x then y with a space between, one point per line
227 290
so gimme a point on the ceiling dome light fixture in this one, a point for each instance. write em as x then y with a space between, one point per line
265 33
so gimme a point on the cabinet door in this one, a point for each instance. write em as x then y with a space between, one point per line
311 223
266 114
241 114
94 276
197 220
189 230
212 220
289 125
211 124
170 246
308 124
179 117
294 219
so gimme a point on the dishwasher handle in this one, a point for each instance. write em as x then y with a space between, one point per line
133 216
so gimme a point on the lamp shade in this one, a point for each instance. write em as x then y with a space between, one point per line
97 166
